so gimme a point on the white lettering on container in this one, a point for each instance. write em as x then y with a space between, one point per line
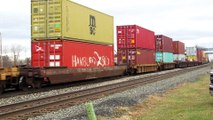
56 46
38 48
95 60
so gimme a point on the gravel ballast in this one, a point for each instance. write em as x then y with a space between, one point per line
106 106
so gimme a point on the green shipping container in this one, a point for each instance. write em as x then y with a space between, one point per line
165 57
64 19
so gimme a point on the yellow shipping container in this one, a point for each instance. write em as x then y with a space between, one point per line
205 55
192 58
64 19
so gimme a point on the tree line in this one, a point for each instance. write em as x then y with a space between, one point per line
14 55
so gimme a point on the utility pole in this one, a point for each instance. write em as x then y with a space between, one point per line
1 59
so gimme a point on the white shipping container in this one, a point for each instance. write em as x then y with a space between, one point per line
179 57
190 51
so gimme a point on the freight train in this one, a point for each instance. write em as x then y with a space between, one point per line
71 42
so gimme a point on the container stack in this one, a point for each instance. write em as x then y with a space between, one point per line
65 33
200 55
164 49
136 45
179 51
191 53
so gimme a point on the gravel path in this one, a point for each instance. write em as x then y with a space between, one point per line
105 106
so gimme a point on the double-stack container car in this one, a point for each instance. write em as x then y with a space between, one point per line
179 54
70 42
164 52
179 51
136 48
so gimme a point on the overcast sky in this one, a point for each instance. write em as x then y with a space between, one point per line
190 21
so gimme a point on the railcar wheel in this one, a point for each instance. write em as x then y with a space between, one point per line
22 83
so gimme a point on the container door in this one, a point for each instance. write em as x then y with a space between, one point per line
46 19
126 56
121 37
159 44
39 19
131 37
39 54
159 57
54 14
47 53
132 53
55 53
126 36
122 58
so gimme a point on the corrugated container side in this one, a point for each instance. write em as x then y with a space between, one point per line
71 54
64 19
133 36
134 57
165 57
191 51
163 43
178 47
179 57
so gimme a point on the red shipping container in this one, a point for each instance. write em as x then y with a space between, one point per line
134 57
199 55
178 47
71 54
133 36
164 43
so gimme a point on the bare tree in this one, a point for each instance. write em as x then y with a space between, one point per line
16 50
6 58
6 61
5 50
27 61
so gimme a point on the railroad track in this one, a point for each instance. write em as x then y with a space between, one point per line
37 107
14 92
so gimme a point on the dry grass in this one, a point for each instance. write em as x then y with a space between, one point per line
189 101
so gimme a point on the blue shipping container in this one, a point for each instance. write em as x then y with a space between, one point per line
165 57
